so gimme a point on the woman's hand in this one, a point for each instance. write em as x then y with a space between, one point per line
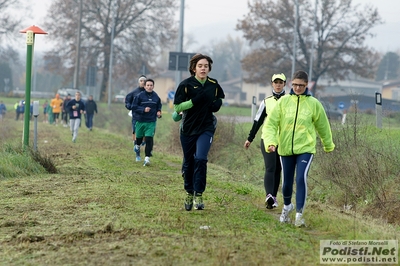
247 144
271 148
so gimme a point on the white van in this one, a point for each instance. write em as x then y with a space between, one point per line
65 91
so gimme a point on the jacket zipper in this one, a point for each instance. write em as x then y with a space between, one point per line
295 122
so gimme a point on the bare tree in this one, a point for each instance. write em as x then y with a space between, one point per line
227 55
9 26
9 23
388 67
142 29
340 32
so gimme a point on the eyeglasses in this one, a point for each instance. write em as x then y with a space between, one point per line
301 86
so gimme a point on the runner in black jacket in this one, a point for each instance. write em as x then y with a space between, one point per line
91 108
147 106
197 97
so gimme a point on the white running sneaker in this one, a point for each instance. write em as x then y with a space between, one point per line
285 213
146 161
299 222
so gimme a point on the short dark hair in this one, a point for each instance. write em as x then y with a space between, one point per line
300 74
151 80
196 58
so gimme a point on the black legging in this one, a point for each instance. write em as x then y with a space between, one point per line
149 145
273 168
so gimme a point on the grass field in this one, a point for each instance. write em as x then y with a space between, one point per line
103 208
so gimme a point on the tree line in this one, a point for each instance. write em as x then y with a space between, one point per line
330 40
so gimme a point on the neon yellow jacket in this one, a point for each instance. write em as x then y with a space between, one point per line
297 118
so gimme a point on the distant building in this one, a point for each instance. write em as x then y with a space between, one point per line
345 94
357 93
391 90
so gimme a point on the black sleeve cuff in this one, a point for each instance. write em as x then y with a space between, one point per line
216 105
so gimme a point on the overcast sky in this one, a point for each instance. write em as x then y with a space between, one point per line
215 19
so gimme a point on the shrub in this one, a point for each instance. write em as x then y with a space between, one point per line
19 161
223 136
44 161
361 170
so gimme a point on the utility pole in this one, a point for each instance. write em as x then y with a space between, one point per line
387 67
78 48
310 72
178 74
295 36
111 54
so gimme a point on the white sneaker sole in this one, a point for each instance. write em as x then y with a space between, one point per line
285 218
299 224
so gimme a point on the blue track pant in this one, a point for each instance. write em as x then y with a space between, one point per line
301 164
194 168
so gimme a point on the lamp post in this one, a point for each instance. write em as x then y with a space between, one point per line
30 40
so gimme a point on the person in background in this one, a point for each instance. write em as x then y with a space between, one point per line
147 106
50 115
65 111
45 116
130 97
197 97
272 164
293 124
16 111
56 104
3 110
91 108
76 108
19 109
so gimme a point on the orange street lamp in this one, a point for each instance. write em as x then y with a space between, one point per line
30 40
